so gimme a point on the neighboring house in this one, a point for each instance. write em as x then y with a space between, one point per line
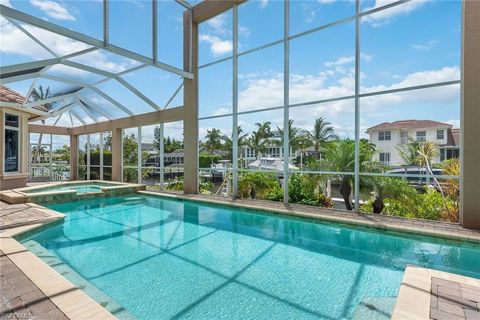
273 149
389 136
175 157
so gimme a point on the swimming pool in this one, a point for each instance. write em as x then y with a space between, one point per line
158 258
78 187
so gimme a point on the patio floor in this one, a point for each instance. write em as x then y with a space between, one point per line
20 297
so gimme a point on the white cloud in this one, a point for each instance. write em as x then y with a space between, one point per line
217 45
347 60
262 91
310 16
14 41
218 24
454 122
340 61
6 3
424 46
419 78
326 1
53 9
221 111
384 16
263 3
244 31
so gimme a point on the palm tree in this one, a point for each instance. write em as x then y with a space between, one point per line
213 141
321 133
340 157
38 152
228 141
38 95
257 143
264 129
259 139
426 152
293 136
409 152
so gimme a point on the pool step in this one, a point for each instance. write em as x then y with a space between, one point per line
375 308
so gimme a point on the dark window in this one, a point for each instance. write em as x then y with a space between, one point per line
421 136
11 150
440 134
385 157
11 120
384 135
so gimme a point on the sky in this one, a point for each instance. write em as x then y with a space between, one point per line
414 43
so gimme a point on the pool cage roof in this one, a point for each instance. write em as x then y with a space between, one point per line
75 79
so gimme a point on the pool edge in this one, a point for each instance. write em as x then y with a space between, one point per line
363 220
415 294
68 298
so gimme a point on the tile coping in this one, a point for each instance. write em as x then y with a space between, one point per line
69 299
376 222
413 301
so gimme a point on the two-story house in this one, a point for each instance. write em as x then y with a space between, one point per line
389 136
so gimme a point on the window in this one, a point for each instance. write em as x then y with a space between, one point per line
421 136
440 134
384 158
451 153
12 143
384 135
404 137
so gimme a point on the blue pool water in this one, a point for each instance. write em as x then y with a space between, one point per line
83 188
157 258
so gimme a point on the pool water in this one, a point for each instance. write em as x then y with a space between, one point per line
164 258
83 188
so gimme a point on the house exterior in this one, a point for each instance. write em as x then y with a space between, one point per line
389 136
273 149
14 138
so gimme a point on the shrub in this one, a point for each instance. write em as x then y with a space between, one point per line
275 194
205 160
256 185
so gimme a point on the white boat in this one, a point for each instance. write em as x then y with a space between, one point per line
220 168
272 164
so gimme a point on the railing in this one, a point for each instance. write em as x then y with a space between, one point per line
45 173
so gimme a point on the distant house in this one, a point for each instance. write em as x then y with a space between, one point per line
273 149
389 136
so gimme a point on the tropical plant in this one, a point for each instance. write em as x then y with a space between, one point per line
259 139
389 188
321 133
169 144
39 94
228 141
340 157
213 141
409 152
294 136
256 185
451 189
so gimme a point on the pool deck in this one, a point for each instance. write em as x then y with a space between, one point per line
33 287
30 289
436 295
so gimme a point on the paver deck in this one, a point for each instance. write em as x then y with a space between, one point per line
451 300
24 214
20 298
